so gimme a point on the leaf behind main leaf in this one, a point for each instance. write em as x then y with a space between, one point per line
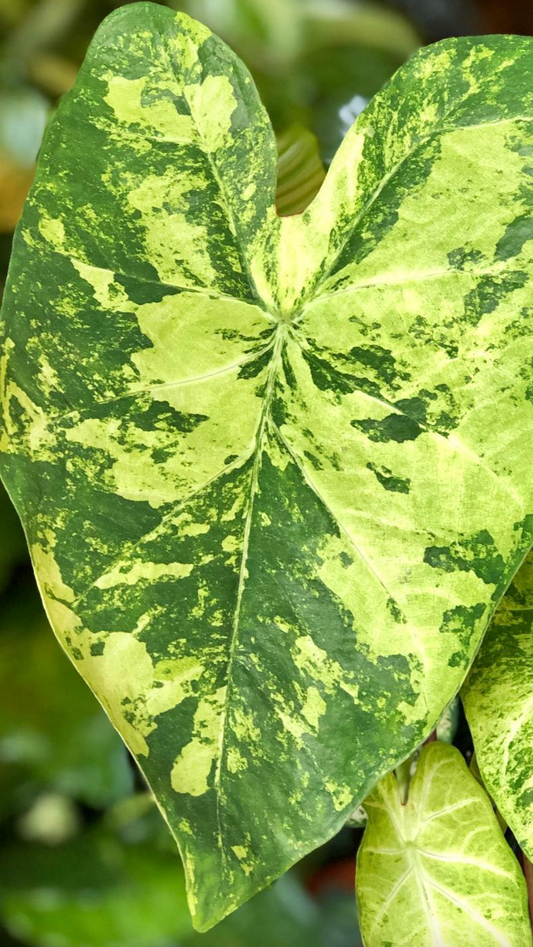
300 170
498 701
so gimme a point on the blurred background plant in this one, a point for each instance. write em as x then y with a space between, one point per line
85 859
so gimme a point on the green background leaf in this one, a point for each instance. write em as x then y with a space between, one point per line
438 869
310 58
300 171
248 451
498 701
94 891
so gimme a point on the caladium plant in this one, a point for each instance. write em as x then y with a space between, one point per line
274 472
438 870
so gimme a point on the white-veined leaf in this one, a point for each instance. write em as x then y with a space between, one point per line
437 872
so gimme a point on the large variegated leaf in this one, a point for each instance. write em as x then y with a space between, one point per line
437 872
274 473
498 700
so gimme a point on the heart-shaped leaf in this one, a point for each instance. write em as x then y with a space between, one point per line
275 473
438 872
498 700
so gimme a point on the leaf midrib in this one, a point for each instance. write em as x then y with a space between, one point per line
496 269
254 480
222 188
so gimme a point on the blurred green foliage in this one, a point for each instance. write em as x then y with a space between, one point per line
311 59
98 890
53 734
85 858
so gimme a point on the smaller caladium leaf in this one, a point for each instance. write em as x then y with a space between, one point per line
437 872
498 700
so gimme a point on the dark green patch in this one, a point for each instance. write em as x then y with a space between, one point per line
379 359
327 378
463 256
161 454
290 377
255 366
462 622
489 292
388 480
396 611
395 427
517 234
526 798
313 460
414 408
478 555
